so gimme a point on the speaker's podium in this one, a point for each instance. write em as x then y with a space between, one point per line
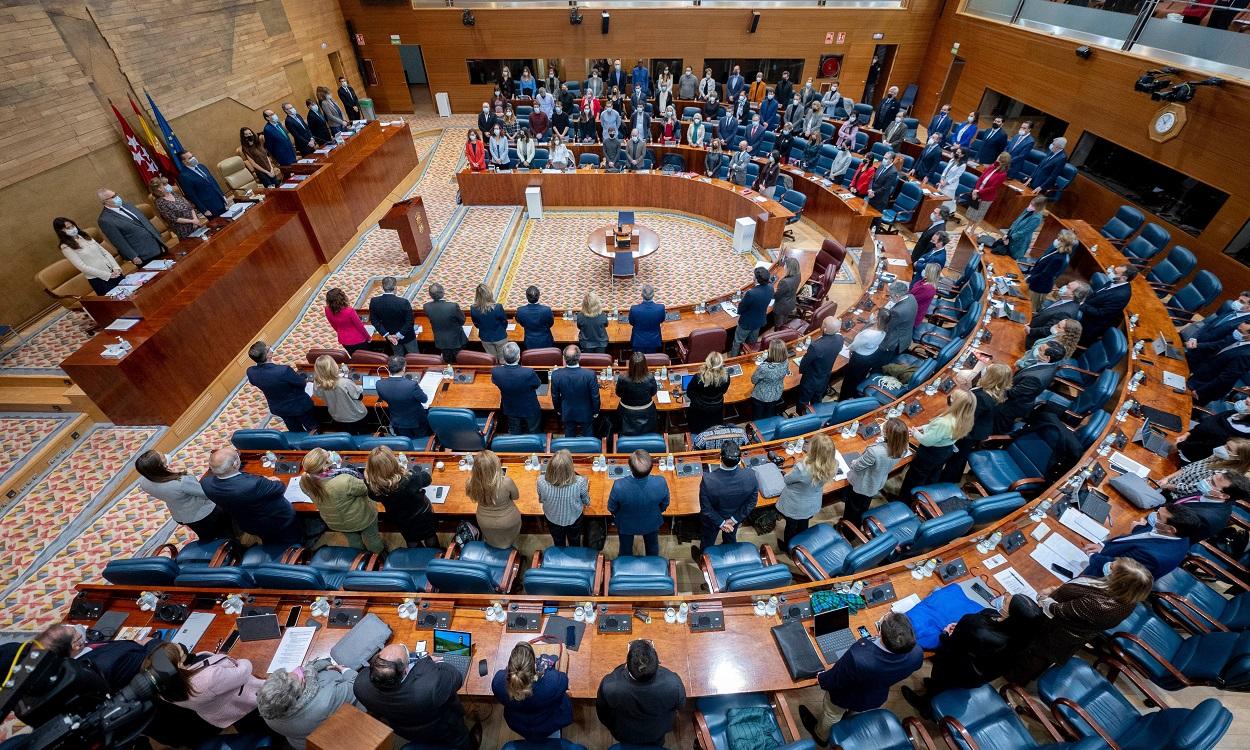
623 241
408 218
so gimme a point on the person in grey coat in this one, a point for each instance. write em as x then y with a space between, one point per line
804 491
447 320
294 704
738 164
869 470
128 229
901 320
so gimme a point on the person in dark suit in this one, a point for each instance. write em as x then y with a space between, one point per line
646 318
199 185
786 292
990 392
1225 320
727 128
305 143
930 158
1026 385
277 140
284 390
1105 308
128 229
317 124
816 367
618 77
257 504
935 254
734 85
1068 306
941 124
518 392
753 310
900 322
887 109
860 680
575 394
417 698
637 504
1019 236
937 223
391 316
1042 275
351 103
405 401
1213 500
639 700
1212 378
536 320
755 133
881 189
1018 148
1049 169
447 320
1159 545
727 495
993 142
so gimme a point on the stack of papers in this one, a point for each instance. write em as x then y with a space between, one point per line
1126 465
306 161
895 262
843 468
1057 550
159 265
292 649
664 397
289 185
122 324
237 209
429 384
1014 583
294 493
729 308
1084 525
138 278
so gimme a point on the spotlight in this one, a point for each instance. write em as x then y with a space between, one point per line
604 18
575 17
1084 52
755 21
467 18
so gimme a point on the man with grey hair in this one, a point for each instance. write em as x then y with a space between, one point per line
284 390
416 697
518 392
817 364
256 504
128 229
447 321
390 314
575 394
646 318
900 320
1048 170
294 704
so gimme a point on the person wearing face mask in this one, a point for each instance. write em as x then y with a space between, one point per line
1159 544
499 149
507 84
1105 307
257 159
617 78
128 229
317 124
1231 458
1213 377
714 159
594 84
966 133
88 256
727 127
742 107
637 100
812 119
553 80
351 103
757 90
831 103
636 151
688 85
1212 497
640 122
993 142
609 119
697 133
755 133
937 223
886 109
299 130
770 111
545 101
738 164
1217 326
884 182
1018 238
540 125
941 124
178 214
1048 170
841 160
641 78
785 142
526 85
1042 275
848 134
560 123
475 151
1019 147
766 179
183 497
1066 332
200 186
485 118
895 131
1066 306
612 155
663 93
808 93
331 110
561 157
417 696
277 140
526 147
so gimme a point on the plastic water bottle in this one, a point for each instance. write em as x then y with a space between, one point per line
1039 510
270 460
683 612
1132 320
1137 348
449 372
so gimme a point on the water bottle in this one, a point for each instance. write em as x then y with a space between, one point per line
672 463
683 612
700 308
270 460
402 460
533 462
770 608
798 446
1039 511
469 461
449 372
930 566
1137 348
995 538
123 344
1132 321
854 427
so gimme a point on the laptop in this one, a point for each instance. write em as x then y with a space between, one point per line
1162 347
1151 440
454 647
833 633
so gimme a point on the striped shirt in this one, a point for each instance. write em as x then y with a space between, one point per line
563 505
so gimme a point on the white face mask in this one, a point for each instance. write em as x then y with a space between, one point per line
1221 452
1242 406
1238 306
71 231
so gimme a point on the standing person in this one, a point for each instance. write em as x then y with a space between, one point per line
283 388
900 320
937 440
636 150
948 182
786 292
881 187
866 354
766 179
712 162
646 318
1043 274
491 321
351 103
929 160
594 84
534 692
861 179
941 123
637 504
391 316
526 147
400 488
511 125
507 84
639 700
587 132
769 381
278 140
405 400
342 317
575 394
447 320
495 495
475 151
895 131
641 77
613 155
990 393
1049 169
183 496
816 367
963 136
735 84
526 86
128 229
697 133
295 703
636 389
257 505
707 394
342 500
993 141
753 310
738 164
560 158
687 85
88 256
708 87
330 109
518 392
317 123
175 210
935 253
485 119
860 680
219 689
1019 147
417 697
924 289
564 495
727 495
1019 236
804 491
305 142
343 396
870 470
498 148
986 190
592 325
257 159
536 320
848 134
887 109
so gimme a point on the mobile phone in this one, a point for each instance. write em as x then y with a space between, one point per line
229 642
292 617
863 632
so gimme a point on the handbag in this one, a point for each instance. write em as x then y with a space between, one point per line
770 479
467 532
1138 491
797 650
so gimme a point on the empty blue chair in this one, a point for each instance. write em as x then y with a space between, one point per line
412 561
1120 227
260 440
794 201
551 743
862 112
1220 659
1167 273
260 554
331 441
394 581
588 159
203 576
741 567
653 442
1089 433
905 205
894 517
295 577
937 336
523 110
502 443
1103 354
1020 467
673 162
541 155
779 428
141 571
688 113
839 412
877 729
564 571
480 569
394 442
823 553
1090 398
712 719
990 722
931 496
1088 705
1195 295
642 576
1189 599
879 149
936 532
1156 235
577 444
988 509
458 429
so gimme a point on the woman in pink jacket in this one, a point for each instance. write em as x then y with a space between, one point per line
924 289
221 690
345 322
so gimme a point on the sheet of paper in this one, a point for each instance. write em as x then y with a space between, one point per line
468 330
137 278
370 330
664 397
429 384
437 493
1127 465
895 262
846 351
906 603
294 493
193 629
512 326
730 308
308 388
993 562
1041 531
292 649
1014 583
1172 380
289 185
163 264
843 468
1057 550
122 324
1084 525
306 161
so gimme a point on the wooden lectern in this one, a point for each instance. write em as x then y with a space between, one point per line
408 218
350 727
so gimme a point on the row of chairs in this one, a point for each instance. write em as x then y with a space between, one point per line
544 357
1143 244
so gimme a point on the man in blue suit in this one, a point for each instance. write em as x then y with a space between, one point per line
405 401
284 390
618 78
640 76
637 504
735 85
317 124
257 504
277 140
1019 148
935 254
536 320
727 127
1215 327
299 130
199 186
575 394
1049 169
930 157
966 133
941 123
881 189
816 367
1159 544
727 495
518 392
391 316
646 317
753 310
755 133
993 141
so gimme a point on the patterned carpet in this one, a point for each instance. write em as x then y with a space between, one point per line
21 434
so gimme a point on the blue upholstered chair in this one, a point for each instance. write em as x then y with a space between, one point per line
460 430
905 205
244 741
711 720
504 443
141 571
1195 605
1167 273
1087 399
588 159
742 567
396 581
783 428
1149 645
564 571
981 718
1020 467
989 509
794 201
394 442
228 576
331 441
641 576
877 730
653 442
582 444
915 535
821 552
261 440
1103 354
550 743
1195 295
411 560
839 412
1120 227
478 569
324 570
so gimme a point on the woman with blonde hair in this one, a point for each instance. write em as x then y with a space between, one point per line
870 470
804 491
534 691
495 495
592 325
1233 457
990 392
401 490
1043 274
491 322
342 500
564 494
342 395
1067 333
707 394
330 109
937 440
174 209
769 380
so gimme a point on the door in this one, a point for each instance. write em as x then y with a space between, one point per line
879 73
336 65
414 73
951 83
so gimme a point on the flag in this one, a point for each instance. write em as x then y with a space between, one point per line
172 145
155 146
143 160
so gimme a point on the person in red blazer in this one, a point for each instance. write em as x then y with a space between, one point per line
475 151
987 187
862 179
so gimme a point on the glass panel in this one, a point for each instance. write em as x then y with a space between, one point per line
771 69
1046 127
1207 32
1000 9
1104 27
1239 248
487 71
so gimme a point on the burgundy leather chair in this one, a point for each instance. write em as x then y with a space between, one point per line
367 357
548 356
467 357
658 360
596 360
812 324
703 341
338 355
423 360
761 344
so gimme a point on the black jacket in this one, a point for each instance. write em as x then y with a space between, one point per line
423 708
1026 386
318 127
639 713
390 314
1039 326
301 134
408 508
447 320
1103 309
816 367
257 505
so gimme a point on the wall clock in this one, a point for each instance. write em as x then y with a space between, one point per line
1166 124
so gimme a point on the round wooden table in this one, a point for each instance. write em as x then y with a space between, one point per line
648 242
